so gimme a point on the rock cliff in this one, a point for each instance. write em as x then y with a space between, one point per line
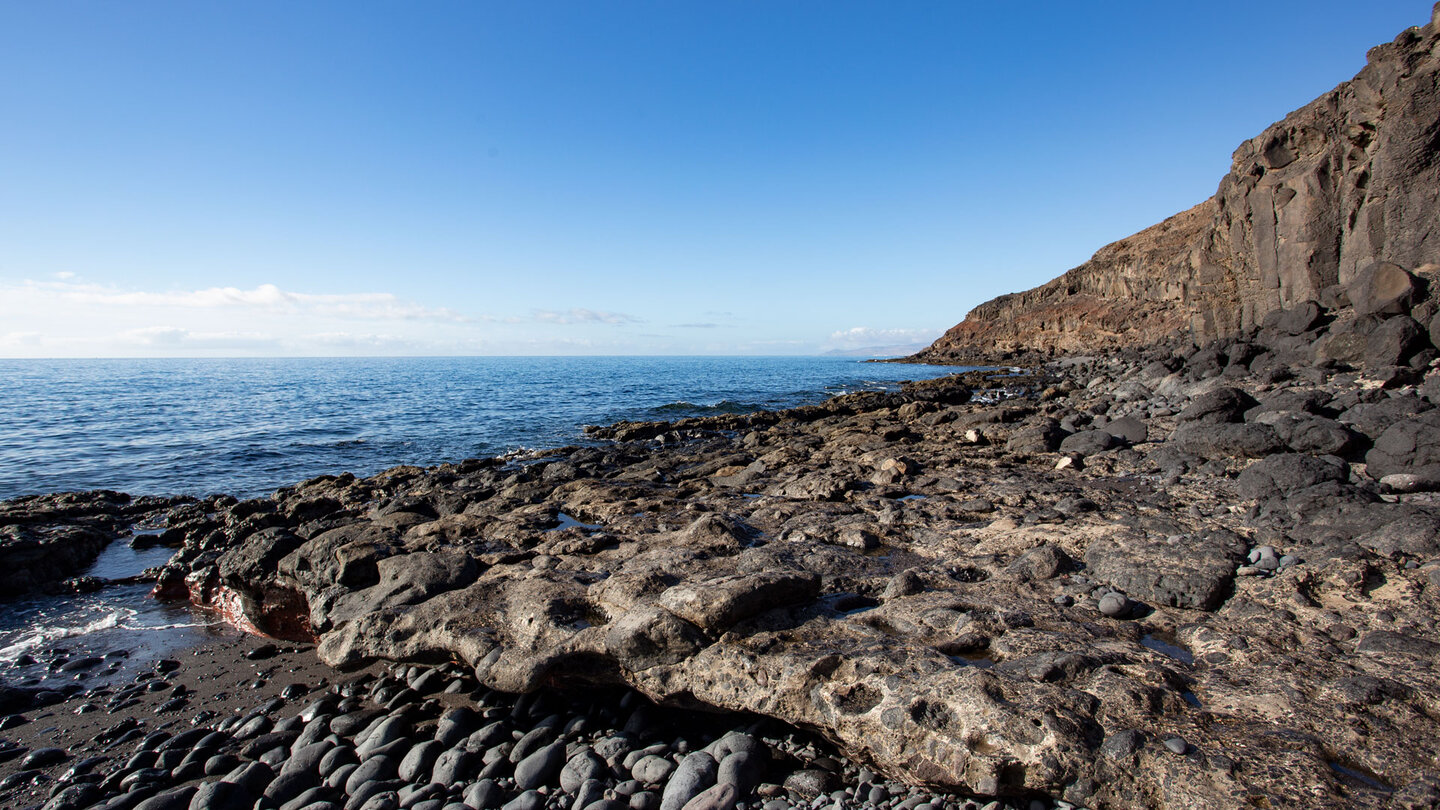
1346 181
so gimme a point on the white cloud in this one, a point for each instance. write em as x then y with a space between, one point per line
350 340
75 317
22 339
175 337
65 275
265 298
579 315
859 337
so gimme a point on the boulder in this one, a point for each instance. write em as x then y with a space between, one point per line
1392 343
1307 433
1186 571
1298 319
650 636
1284 474
1217 406
1406 446
1372 418
1227 440
1382 289
1087 442
1044 437
1128 429
1416 535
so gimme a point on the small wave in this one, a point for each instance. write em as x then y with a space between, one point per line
173 626
723 406
47 635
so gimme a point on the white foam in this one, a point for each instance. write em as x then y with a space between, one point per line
46 635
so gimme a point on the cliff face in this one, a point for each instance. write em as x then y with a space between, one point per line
1345 181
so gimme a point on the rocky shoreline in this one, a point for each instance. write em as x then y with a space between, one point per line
1172 577
242 722
1188 556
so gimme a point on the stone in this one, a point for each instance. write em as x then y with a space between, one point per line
1372 418
1427 479
1284 474
1407 446
695 773
1382 288
649 636
484 795
742 770
221 796
420 760
1128 429
1087 442
1218 405
457 765
1042 562
716 797
1180 571
541 767
811 782
1227 440
172 799
1416 535
1035 439
389 730
653 770
1115 605
580 768
377 768
716 604
1393 644
1308 433
1393 342
455 724
529 800
1298 319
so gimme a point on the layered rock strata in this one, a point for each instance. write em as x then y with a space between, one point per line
1347 181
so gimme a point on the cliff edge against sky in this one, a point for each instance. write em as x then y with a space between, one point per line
1346 181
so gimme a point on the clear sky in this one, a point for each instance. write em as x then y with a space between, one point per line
778 177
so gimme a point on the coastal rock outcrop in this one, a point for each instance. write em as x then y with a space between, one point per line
933 580
1336 206
1185 572
45 539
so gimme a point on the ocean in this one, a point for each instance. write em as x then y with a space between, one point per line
245 427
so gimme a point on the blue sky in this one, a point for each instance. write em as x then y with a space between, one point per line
359 178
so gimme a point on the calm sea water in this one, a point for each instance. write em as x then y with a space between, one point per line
246 427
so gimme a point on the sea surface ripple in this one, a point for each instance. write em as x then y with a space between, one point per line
247 426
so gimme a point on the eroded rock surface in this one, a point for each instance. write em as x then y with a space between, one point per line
933 579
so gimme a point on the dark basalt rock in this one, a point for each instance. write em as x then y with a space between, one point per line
1218 406
1227 440
1187 571
1285 474
1411 445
